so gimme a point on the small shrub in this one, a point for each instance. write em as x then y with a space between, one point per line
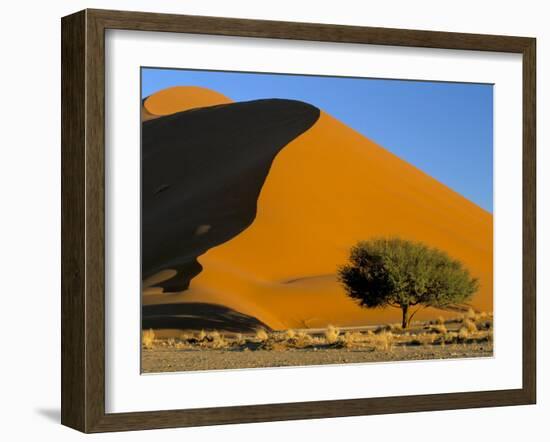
440 320
331 334
148 338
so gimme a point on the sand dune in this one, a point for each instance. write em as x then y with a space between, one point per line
327 189
202 172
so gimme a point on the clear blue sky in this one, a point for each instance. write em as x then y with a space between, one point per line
444 129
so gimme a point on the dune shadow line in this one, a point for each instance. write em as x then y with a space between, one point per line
198 316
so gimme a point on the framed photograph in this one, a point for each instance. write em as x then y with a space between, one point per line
269 220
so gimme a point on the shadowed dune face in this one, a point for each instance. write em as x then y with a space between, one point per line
202 172
327 189
198 316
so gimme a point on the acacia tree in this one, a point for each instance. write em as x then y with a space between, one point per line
399 273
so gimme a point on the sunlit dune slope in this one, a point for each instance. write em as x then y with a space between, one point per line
327 189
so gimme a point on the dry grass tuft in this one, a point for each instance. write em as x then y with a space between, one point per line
349 339
470 314
185 337
439 328
290 335
446 338
469 325
384 341
463 334
303 339
261 335
331 334
217 340
148 338
239 340
485 325
396 327
382 329
201 336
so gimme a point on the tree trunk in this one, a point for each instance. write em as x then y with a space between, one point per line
405 322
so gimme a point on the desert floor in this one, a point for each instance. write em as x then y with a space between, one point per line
170 359
439 339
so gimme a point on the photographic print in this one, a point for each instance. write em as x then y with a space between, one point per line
295 220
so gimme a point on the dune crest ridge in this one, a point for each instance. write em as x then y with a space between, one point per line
180 98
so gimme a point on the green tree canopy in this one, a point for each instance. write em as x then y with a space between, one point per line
399 273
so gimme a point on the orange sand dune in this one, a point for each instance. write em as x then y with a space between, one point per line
326 190
180 98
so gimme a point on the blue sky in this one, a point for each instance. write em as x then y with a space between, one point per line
444 129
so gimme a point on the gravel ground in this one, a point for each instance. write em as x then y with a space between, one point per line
164 359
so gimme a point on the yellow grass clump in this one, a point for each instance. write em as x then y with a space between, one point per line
331 334
239 339
469 325
470 314
439 328
349 339
217 340
261 335
303 339
463 333
148 338
384 340
290 334
396 327
482 315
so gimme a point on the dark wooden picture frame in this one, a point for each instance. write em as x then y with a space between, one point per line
83 217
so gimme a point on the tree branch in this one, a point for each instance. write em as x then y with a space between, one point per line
415 312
